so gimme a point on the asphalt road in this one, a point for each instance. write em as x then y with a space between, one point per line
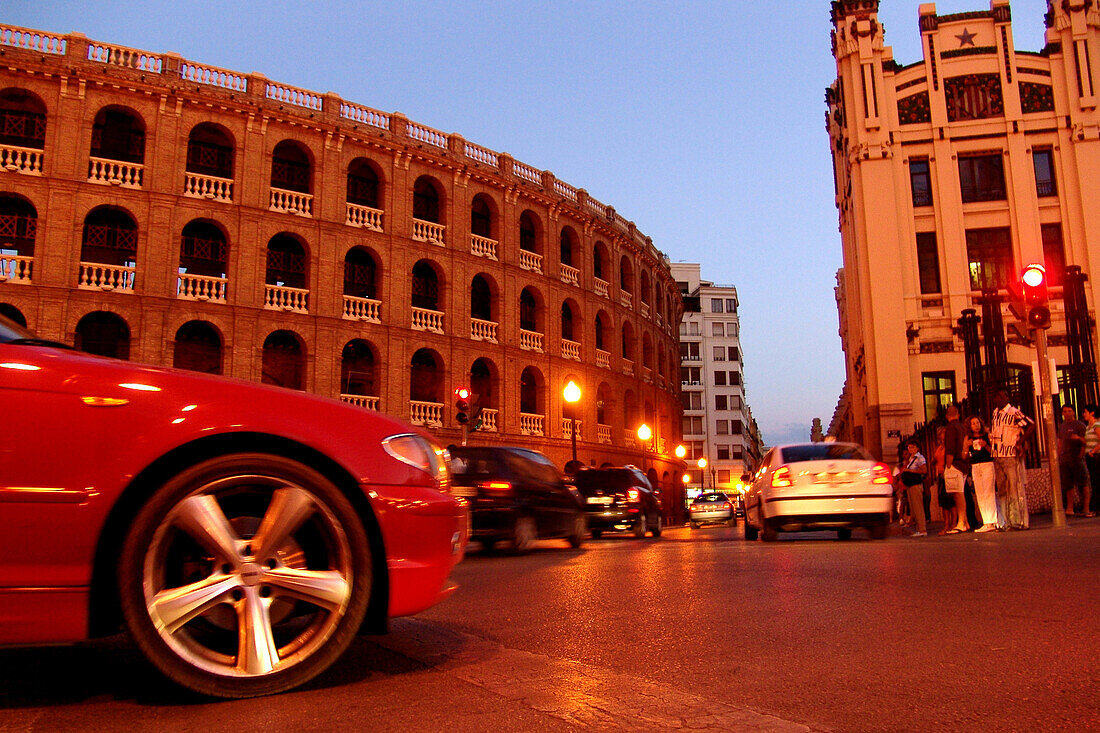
697 630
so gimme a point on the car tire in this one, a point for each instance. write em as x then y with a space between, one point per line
695 525
580 530
597 533
844 533
750 531
732 522
639 526
248 541
768 533
880 531
489 545
524 534
659 526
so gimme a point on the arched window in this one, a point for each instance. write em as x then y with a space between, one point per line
284 360
203 249
18 229
600 325
13 314
425 286
290 167
647 350
22 119
603 403
645 289
210 151
530 391
528 232
631 418
626 275
364 186
568 243
118 134
598 258
481 299
357 369
528 311
426 378
103 333
481 217
567 322
197 348
287 264
426 201
110 238
483 383
628 342
360 274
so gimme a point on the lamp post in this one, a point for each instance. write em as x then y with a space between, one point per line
702 463
644 434
572 395
681 451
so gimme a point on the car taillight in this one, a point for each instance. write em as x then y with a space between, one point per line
881 474
696 507
495 485
724 505
781 478
418 452
633 496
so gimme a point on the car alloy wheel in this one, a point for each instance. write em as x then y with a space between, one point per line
524 534
659 526
245 575
639 526
580 529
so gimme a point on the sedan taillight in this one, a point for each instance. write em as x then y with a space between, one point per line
781 478
881 474
633 496
495 485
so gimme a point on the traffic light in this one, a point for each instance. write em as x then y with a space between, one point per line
1034 279
462 405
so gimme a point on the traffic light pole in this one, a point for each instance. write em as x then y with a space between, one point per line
1049 436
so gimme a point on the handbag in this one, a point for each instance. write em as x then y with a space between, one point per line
912 478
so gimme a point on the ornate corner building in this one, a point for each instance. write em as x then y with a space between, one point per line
952 173
179 214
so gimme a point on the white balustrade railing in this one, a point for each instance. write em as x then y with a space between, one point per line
643 309
427 320
601 287
629 436
647 374
115 172
428 231
95 276
291 202
130 58
429 414
21 160
567 428
424 134
483 247
570 350
359 400
564 189
365 217
32 40
281 297
489 420
628 367
570 275
362 309
530 341
662 445
483 330
603 359
530 261
626 299
201 287
603 433
213 76
366 115
15 268
526 172
293 95
214 188
481 155
532 424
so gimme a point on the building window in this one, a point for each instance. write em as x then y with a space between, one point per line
1054 254
731 305
720 379
982 177
939 392
732 351
690 375
735 378
691 400
723 452
738 452
1044 172
721 402
719 353
722 427
736 427
717 329
689 351
731 329
928 263
920 179
716 305
989 254
693 329
724 476
693 425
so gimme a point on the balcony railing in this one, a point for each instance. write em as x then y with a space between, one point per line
483 247
15 268
365 217
489 420
626 299
647 374
428 414
427 320
291 202
428 231
483 330
281 297
643 309
570 350
603 359
570 275
94 276
115 172
531 261
972 194
601 287
628 367
199 186
530 341
201 287
532 424
603 433
366 401
362 309
21 160
567 428
629 437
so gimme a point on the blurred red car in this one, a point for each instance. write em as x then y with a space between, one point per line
242 534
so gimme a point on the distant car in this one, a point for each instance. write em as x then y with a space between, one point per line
243 534
818 486
711 508
517 495
619 498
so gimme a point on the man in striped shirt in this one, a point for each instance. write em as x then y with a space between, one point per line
1008 429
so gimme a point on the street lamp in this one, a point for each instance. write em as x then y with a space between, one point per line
572 395
702 463
644 434
681 451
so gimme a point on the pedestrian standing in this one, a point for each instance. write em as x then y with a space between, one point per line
912 477
943 499
979 451
1009 427
1071 461
1091 413
956 467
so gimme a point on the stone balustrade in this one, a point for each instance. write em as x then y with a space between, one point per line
201 287
428 414
600 286
530 261
603 433
281 297
603 359
567 429
483 247
483 330
291 202
530 341
626 299
199 186
647 374
365 401
428 231
96 276
427 320
489 420
532 424
129 58
21 160
364 217
643 309
203 74
570 350
15 268
115 172
362 309
570 275
628 367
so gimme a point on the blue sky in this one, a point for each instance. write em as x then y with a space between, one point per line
703 122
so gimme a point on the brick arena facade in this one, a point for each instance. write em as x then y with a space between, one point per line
174 213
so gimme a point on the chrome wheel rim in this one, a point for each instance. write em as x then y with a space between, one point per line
247 576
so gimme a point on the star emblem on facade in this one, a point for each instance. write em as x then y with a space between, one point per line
966 39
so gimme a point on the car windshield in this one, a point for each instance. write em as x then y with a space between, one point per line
474 466
710 498
608 479
824 452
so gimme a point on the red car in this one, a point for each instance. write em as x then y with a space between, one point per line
242 534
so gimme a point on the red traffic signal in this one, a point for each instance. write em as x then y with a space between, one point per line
1034 280
462 405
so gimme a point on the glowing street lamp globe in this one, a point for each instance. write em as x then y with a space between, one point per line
572 393
681 451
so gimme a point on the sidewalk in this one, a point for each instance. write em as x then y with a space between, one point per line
1038 523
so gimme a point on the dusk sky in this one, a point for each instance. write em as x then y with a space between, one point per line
702 122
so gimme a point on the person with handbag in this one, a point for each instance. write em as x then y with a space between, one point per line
979 451
912 478
956 468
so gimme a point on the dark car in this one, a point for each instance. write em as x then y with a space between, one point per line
516 495
619 498
712 508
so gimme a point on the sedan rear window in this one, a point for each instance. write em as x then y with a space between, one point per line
824 452
710 498
474 466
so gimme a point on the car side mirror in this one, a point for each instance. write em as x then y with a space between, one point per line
746 478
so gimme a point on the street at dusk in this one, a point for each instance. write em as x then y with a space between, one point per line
697 630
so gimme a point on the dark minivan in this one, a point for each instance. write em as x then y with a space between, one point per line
516 495
619 498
